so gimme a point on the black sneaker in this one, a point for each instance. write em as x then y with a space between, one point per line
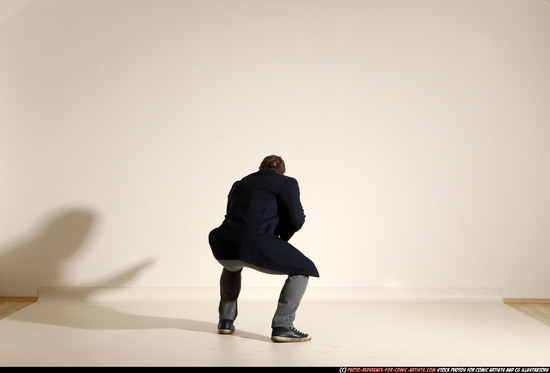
289 335
226 326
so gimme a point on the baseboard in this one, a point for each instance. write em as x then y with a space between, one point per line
19 299
505 300
527 300
372 295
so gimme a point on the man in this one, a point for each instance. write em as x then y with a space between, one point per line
263 213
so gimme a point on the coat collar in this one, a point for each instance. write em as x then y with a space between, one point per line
269 171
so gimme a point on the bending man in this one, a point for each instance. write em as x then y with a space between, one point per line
263 213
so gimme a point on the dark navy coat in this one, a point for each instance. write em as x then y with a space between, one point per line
263 213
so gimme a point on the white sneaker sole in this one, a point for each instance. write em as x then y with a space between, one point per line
289 339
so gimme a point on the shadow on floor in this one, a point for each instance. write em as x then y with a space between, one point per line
76 312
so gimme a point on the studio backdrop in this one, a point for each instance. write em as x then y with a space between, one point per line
418 130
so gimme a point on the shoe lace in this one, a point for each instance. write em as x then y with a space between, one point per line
297 331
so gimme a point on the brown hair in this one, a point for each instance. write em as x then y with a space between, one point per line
273 162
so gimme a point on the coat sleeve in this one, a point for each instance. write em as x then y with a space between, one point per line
291 212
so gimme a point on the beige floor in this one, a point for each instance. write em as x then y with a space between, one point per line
102 327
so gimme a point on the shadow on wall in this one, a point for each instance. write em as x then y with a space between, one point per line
41 260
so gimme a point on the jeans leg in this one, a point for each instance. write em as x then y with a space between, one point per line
230 287
289 301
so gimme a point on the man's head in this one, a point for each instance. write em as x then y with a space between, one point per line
273 162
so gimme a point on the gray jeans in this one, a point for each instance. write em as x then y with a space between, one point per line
289 298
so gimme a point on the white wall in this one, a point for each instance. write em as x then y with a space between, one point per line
419 132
